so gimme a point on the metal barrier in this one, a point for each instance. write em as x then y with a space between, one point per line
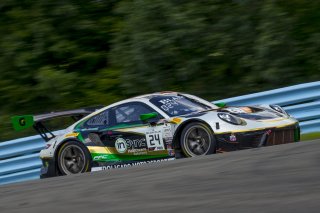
19 159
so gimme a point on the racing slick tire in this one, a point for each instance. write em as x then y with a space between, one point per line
73 158
197 139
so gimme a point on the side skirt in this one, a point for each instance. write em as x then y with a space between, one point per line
117 165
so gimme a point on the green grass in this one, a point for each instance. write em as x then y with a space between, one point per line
310 136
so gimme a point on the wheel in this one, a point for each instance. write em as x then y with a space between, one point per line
197 139
73 158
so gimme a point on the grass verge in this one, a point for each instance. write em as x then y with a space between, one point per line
310 136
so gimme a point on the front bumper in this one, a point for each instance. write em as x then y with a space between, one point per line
48 168
252 139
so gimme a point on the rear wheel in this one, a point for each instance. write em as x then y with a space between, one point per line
73 158
197 139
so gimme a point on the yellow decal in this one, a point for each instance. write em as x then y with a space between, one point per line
176 120
101 150
74 134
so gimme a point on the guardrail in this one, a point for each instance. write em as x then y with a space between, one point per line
19 159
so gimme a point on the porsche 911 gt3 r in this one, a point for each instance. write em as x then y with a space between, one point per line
156 127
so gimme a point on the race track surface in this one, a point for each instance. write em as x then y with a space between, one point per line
283 178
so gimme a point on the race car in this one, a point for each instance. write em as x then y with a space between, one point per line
155 127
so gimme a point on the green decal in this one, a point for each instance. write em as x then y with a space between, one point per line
221 104
22 122
145 117
116 158
123 126
80 137
100 157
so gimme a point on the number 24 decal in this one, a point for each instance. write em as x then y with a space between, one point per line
155 141
154 138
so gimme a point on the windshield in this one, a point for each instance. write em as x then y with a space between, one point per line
176 105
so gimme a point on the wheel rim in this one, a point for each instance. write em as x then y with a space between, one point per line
72 160
197 141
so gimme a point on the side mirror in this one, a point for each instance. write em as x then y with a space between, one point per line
146 117
221 104
22 122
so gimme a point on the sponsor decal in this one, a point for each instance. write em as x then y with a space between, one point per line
233 138
22 122
169 103
117 166
176 120
167 133
74 134
138 151
155 140
100 158
136 143
121 145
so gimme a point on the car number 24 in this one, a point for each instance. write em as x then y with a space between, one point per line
155 140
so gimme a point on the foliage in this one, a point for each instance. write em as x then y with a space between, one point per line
66 54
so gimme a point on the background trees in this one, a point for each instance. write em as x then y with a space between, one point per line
67 54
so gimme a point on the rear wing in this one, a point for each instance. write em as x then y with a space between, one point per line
36 121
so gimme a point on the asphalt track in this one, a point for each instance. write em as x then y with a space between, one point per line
283 178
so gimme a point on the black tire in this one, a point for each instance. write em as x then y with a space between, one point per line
197 139
73 158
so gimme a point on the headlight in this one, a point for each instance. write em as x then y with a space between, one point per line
230 118
278 109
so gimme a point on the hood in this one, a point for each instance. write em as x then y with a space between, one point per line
253 113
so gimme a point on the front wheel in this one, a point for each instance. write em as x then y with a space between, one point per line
197 139
73 158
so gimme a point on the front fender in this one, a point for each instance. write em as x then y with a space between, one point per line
177 134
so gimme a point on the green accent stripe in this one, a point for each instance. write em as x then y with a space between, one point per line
80 137
116 157
123 126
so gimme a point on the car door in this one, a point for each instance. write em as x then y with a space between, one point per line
133 139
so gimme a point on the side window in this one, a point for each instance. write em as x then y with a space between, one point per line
130 112
102 119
